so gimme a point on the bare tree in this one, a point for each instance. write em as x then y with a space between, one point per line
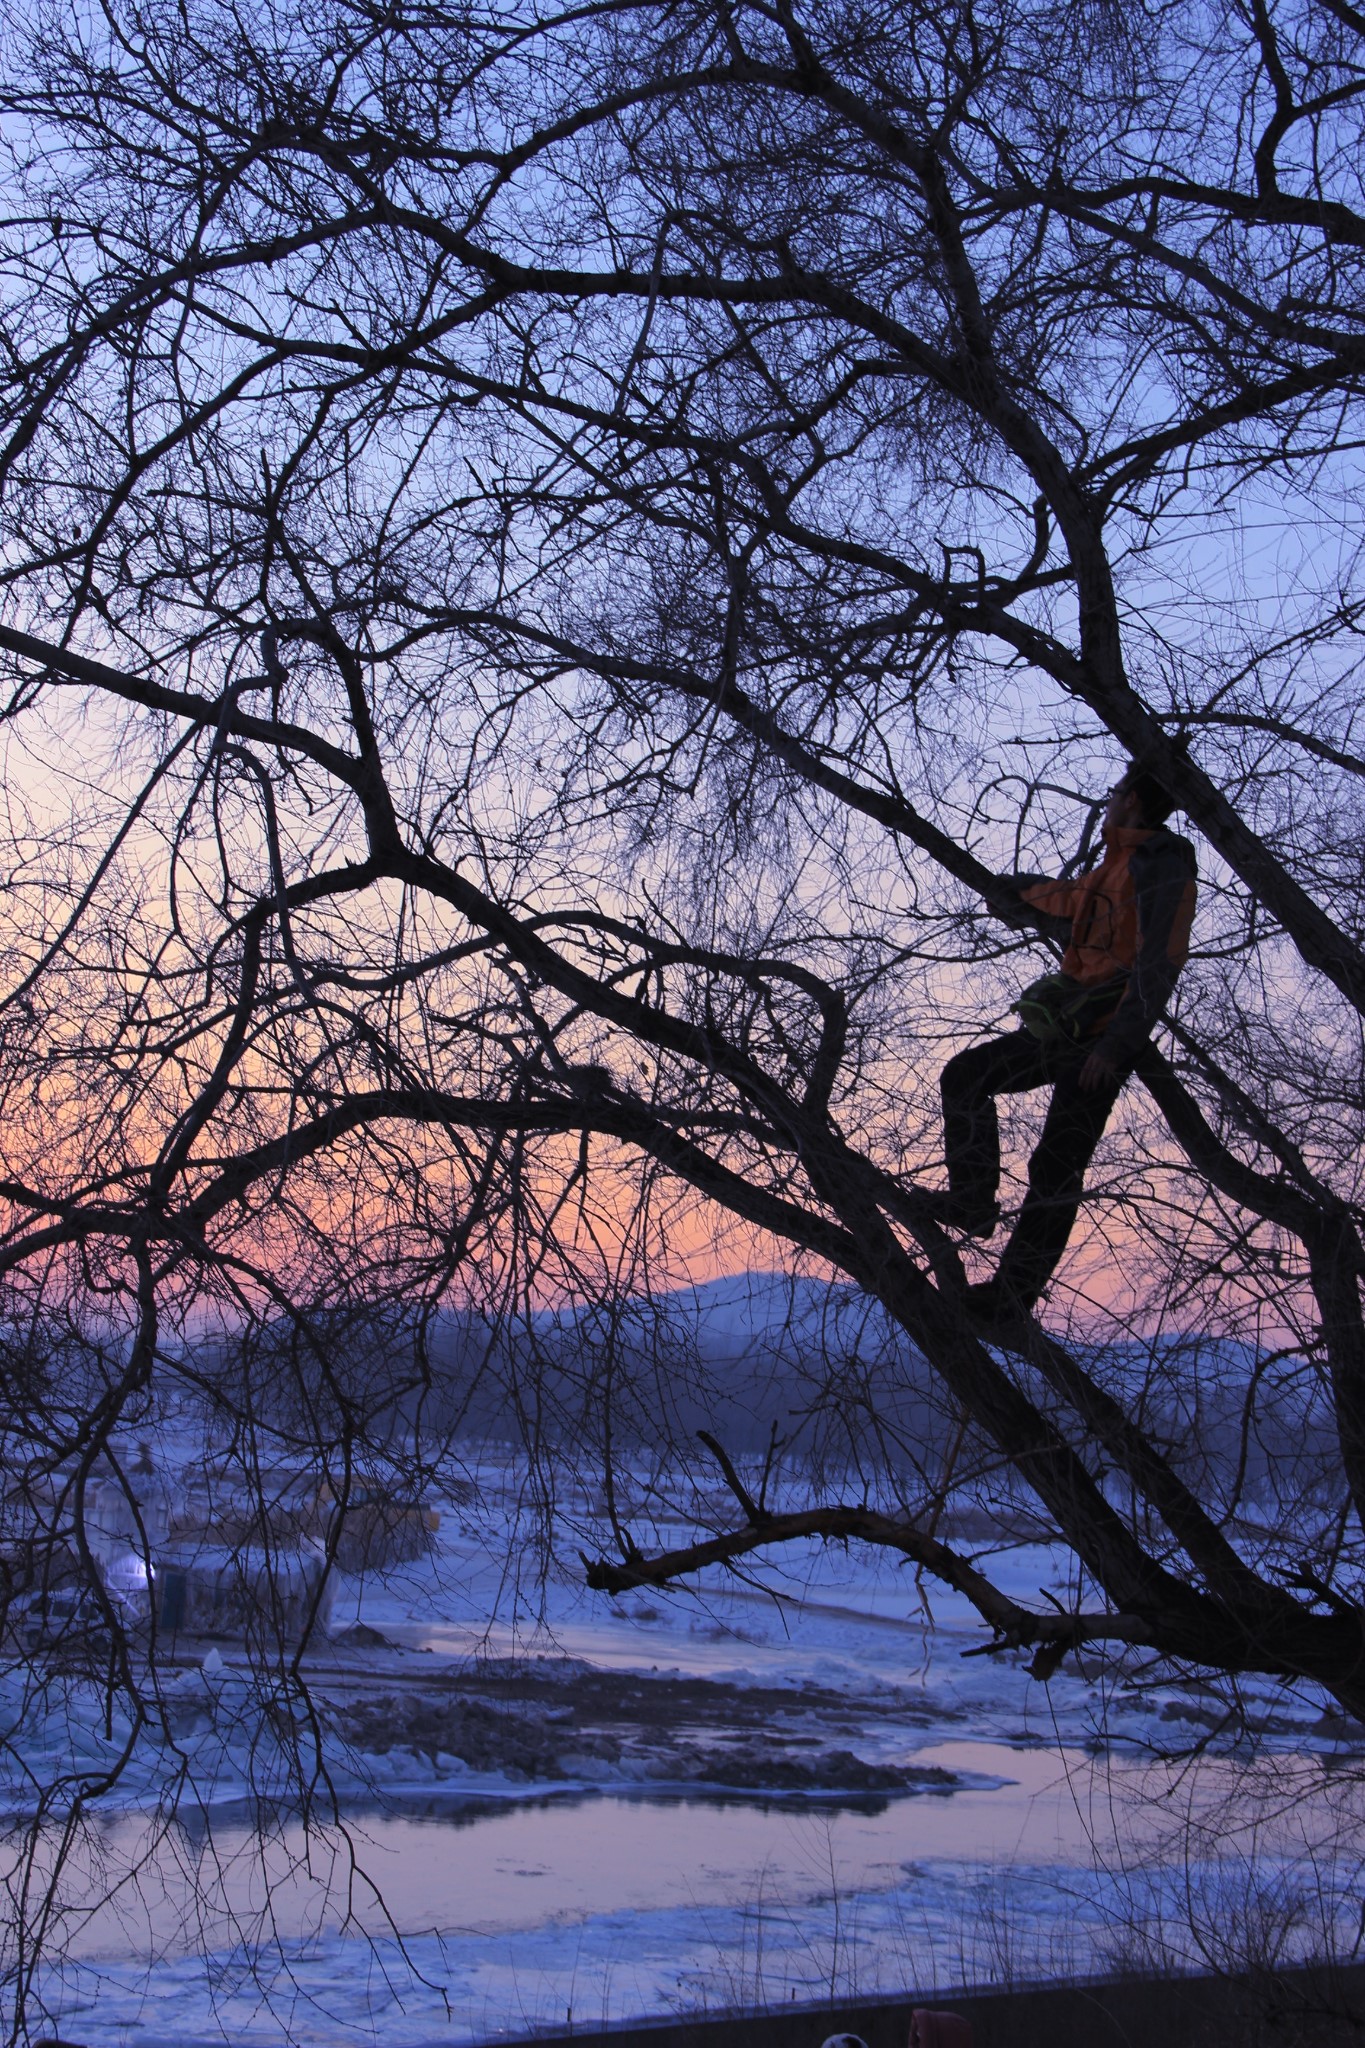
553 564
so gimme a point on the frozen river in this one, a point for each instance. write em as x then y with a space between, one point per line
477 1904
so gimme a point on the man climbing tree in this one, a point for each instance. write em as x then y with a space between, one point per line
1081 1031
551 558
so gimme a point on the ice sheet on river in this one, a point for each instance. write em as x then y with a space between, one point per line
510 1897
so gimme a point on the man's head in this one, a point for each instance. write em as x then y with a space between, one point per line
1138 799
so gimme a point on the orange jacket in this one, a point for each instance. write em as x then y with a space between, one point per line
1130 917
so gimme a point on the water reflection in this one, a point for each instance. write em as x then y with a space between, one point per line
459 1864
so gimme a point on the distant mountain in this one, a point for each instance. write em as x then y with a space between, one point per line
824 1366
735 1355
740 1354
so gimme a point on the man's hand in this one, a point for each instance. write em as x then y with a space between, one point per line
1099 1071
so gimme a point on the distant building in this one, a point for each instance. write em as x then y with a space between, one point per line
243 1592
203 1550
371 1530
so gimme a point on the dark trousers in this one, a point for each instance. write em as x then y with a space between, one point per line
1011 1065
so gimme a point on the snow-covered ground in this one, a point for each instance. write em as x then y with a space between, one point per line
925 1817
